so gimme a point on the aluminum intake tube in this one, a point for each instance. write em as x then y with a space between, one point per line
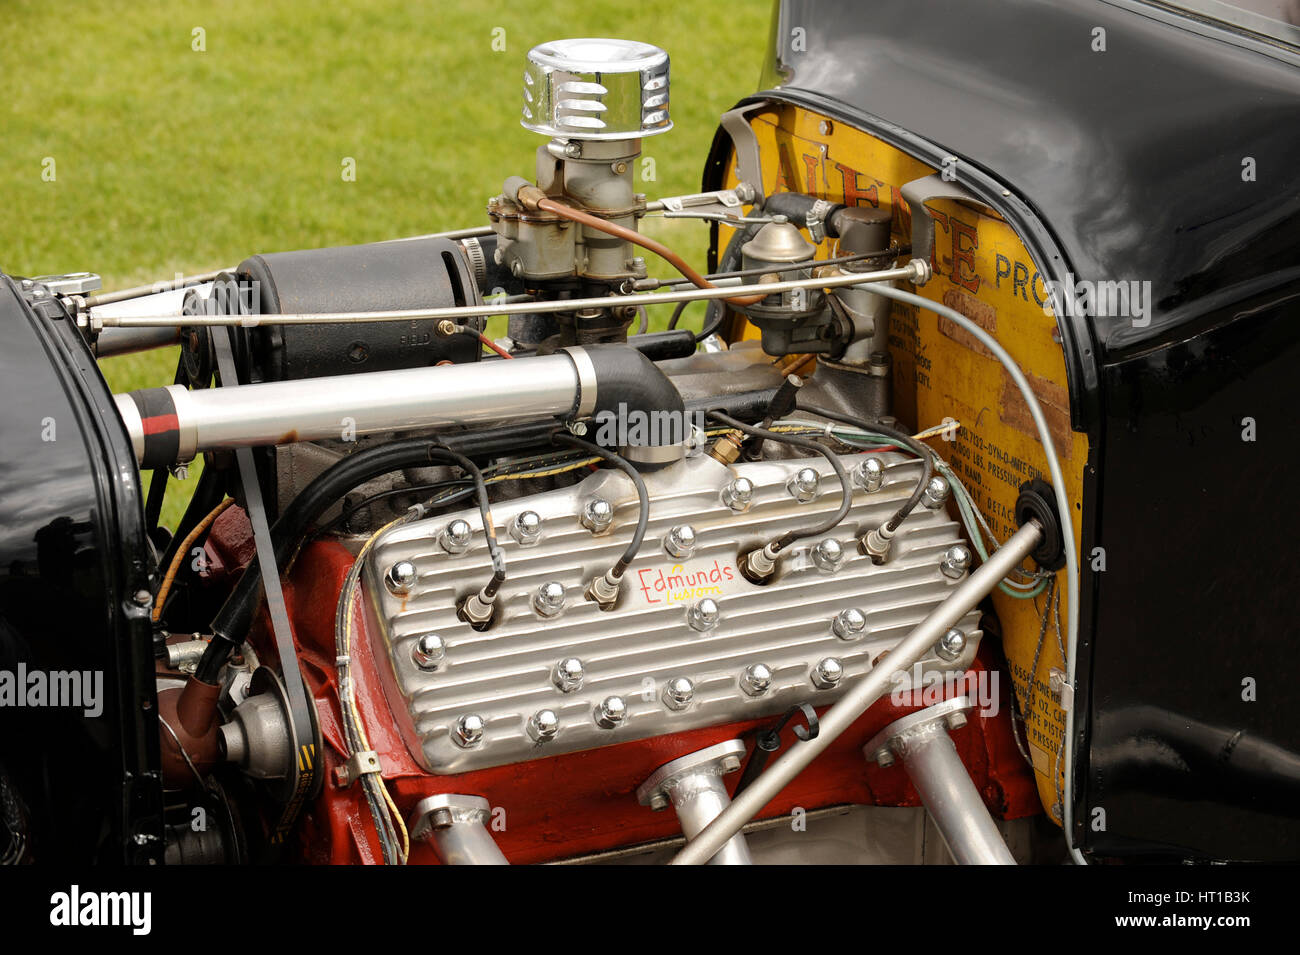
173 424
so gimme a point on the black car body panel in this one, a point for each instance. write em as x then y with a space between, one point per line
1130 164
72 555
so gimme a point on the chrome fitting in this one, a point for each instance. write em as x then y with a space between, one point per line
526 528
956 561
568 675
429 651
738 494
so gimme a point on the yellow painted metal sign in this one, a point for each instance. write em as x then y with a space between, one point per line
981 269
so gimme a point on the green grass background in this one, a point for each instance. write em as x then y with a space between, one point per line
169 159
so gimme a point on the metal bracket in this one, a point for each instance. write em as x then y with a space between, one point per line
749 159
920 191
359 764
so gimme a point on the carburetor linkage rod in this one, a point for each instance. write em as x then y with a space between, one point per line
917 271
861 695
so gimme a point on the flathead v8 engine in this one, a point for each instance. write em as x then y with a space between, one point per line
469 592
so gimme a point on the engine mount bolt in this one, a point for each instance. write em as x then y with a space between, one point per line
401 577
870 474
568 675
756 679
549 599
678 693
884 758
849 623
828 554
429 651
468 730
659 802
956 561
704 614
827 673
543 725
597 515
738 494
611 712
456 536
680 541
803 485
526 528
951 645
936 493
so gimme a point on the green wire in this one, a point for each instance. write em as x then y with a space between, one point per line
1011 588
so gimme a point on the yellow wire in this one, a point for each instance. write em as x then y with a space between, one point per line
352 696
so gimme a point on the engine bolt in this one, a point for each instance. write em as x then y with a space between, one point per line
870 474
543 725
756 679
455 537
827 673
680 541
401 577
597 515
803 485
936 492
956 561
549 599
951 645
956 720
738 494
828 554
849 623
568 675
611 712
678 693
469 730
429 651
526 528
704 614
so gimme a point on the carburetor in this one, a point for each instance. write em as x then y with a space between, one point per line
596 99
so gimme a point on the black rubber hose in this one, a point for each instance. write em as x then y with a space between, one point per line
662 346
643 495
235 617
846 487
717 312
898 437
795 206
628 381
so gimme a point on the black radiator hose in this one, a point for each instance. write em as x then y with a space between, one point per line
629 382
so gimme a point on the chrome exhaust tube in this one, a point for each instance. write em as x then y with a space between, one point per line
173 424
861 695
456 827
921 739
693 786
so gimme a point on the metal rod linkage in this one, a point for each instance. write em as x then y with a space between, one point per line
915 271
861 695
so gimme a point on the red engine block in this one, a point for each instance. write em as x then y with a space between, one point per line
576 803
